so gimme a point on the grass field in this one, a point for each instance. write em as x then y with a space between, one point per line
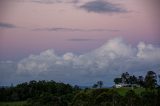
12 103
123 91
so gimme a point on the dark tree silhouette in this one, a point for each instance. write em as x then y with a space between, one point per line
125 77
100 84
141 81
94 86
159 78
132 80
118 80
150 80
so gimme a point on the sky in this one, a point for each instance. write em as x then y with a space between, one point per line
77 41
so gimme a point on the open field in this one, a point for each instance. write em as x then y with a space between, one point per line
123 91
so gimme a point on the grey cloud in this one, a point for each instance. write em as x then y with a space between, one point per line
100 6
7 25
105 30
58 29
75 29
75 1
104 63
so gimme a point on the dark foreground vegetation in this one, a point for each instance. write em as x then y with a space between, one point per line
51 93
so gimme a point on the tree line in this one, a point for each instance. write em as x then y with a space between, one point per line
51 93
40 93
149 81
111 97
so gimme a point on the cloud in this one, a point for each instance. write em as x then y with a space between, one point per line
7 25
103 63
58 29
55 1
80 39
46 1
74 29
145 51
100 6
74 1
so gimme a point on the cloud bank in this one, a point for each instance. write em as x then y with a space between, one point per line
103 63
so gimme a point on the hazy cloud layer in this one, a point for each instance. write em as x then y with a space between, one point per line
74 29
45 1
55 1
103 63
101 6
80 39
7 25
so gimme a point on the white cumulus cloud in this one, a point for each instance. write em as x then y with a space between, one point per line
104 63
148 51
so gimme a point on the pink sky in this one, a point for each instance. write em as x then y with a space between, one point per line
138 24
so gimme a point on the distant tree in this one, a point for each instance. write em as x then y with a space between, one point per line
100 84
132 80
125 77
76 87
32 82
94 86
12 85
140 81
159 79
118 80
150 80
